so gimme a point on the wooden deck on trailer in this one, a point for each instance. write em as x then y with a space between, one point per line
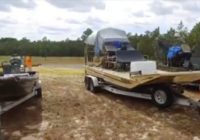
125 80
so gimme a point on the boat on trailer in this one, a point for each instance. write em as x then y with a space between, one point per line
115 67
16 84
130 81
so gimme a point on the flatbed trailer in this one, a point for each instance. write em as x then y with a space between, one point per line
163 88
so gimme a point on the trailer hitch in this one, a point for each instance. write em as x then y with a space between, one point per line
185 101
195 105
198 107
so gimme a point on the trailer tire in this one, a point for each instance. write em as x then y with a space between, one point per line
39 93
92 88
162 97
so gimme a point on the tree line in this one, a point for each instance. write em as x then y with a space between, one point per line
44 47
148 43
154 44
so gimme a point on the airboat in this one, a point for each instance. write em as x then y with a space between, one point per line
112 64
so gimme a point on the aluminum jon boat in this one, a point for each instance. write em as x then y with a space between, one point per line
15 86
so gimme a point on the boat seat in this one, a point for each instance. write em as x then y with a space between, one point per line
127 56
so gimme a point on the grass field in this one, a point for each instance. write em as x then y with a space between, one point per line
4 58
58 60
59 71
55 65
51 60
69 112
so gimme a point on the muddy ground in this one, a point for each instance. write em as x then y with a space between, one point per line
67 111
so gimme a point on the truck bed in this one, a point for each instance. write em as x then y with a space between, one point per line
125 80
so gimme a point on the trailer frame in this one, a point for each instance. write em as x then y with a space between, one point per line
178 99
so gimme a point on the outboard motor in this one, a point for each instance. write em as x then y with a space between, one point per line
14 66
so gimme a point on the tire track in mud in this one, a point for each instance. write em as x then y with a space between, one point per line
68 111
83 115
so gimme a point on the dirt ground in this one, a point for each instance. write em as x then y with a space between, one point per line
67 111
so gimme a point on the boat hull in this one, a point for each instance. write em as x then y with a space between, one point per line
127 81
14 87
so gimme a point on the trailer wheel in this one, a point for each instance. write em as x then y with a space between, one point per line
92 88
162 97
39 93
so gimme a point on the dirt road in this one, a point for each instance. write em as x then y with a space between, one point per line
67 111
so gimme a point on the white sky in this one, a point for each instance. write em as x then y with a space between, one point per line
61 19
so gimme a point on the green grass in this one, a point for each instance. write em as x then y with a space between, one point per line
51 60
4 58
58 60
55 70
59 71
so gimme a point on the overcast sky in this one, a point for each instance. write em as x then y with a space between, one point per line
61 19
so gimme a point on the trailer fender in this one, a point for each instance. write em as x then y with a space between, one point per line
94 80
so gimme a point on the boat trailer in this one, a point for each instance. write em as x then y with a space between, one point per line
178 99
93 85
